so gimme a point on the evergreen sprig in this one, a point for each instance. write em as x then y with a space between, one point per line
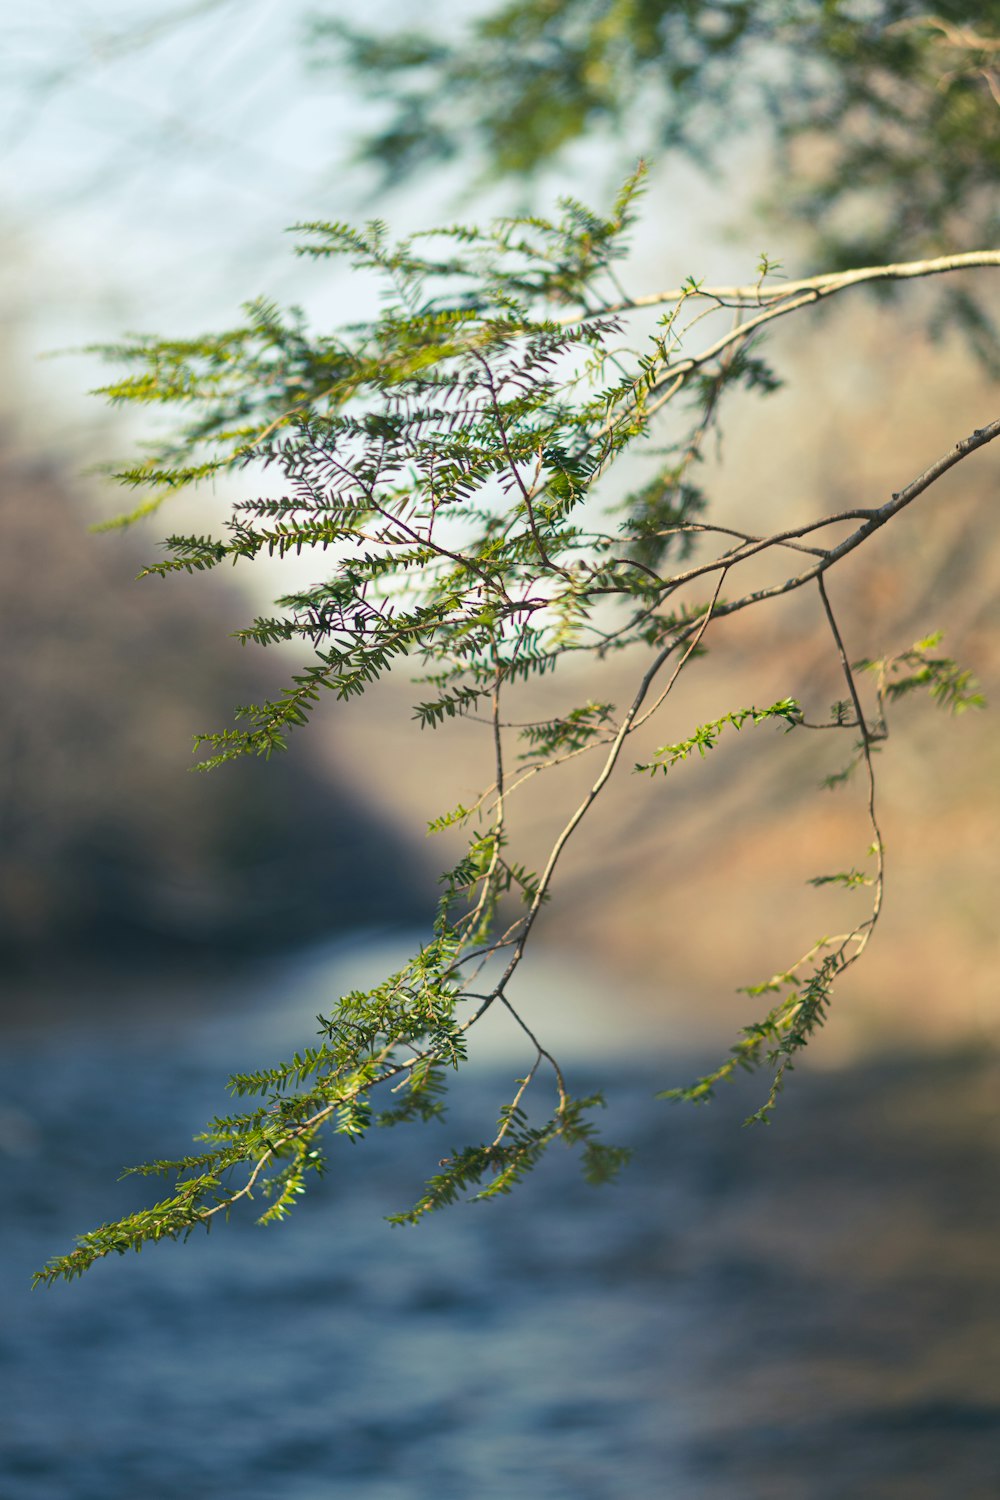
453 466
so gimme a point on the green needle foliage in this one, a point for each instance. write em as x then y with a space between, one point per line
454 467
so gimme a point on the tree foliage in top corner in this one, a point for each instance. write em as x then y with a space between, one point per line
498 472
883 116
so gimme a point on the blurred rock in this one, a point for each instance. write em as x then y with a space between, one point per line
110 851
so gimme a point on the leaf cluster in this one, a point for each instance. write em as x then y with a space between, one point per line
445 464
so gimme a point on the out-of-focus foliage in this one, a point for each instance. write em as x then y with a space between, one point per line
885 118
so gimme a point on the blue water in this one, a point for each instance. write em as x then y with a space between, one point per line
810 1311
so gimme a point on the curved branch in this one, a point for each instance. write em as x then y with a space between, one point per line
814 287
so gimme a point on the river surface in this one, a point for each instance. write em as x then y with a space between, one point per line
808 1312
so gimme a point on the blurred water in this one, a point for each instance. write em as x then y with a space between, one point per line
807 1312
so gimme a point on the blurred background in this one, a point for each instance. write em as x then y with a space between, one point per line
811 1310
